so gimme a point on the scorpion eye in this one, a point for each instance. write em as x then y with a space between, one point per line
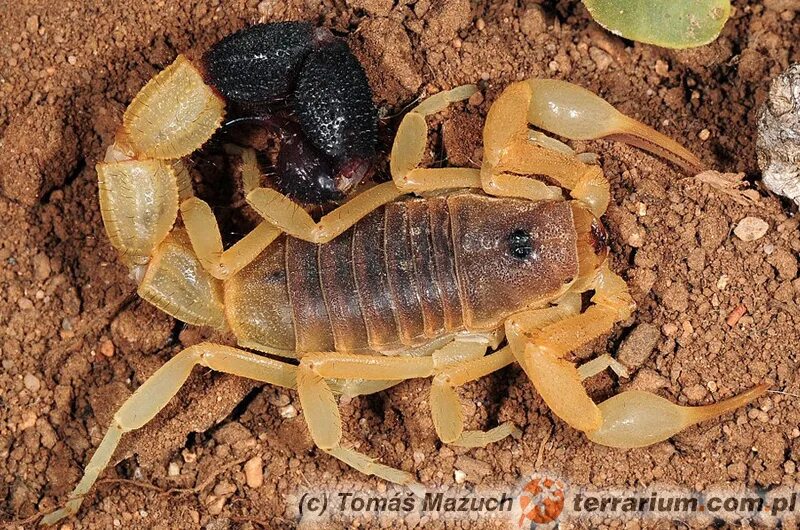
519 244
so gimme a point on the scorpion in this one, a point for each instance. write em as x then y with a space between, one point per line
444 273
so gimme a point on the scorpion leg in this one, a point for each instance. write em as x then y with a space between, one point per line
409 144
322 413
511 149
291 218
448 418
203 230
157 391
630 419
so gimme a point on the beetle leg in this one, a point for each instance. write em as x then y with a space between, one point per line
448 418
322 412
630 419
157 391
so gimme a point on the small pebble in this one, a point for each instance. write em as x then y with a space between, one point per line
751 229
459 476
174 469
736 315
215 504
476 99
669 329
662 68
639 345
72 59
695 393
31 382
107 347
28 420
24 304
722 283
32 24
224 488
480 24
41 267
254 472
704 135
288 412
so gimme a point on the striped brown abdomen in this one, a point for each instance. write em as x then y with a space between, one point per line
397 279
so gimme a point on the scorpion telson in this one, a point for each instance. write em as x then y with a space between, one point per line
386 287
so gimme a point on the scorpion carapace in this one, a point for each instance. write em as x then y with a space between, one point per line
387 288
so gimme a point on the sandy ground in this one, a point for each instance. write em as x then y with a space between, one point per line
76 340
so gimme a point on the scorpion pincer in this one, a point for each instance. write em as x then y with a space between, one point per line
388 286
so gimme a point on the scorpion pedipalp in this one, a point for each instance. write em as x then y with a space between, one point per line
174 114
139 205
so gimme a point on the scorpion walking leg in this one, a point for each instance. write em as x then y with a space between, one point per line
630 419
291 218
448 418
322 413
156 392
203 230
409 144
204 234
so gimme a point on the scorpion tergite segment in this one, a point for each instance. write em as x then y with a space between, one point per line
265 68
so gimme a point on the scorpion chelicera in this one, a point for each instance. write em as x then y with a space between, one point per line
420 276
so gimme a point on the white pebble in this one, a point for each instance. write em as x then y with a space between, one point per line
751 229
459 476
254 472
288 412
32 382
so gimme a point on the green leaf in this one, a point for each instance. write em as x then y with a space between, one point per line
668 23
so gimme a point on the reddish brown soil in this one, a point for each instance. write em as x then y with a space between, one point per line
76 341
